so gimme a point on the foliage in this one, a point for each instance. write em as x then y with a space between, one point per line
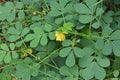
60 40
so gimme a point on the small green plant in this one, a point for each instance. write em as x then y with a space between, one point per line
60 40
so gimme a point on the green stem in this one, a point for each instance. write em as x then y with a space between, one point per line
46 5
23 42
63 17
52 66
49 55
11 64
98 2
49 75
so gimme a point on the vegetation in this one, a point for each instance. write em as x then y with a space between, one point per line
60 40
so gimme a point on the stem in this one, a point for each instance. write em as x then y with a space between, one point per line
46 5
49 55
85 35
63 17
52 66
98 2
49 75
33 56
54 62
11 64
23 42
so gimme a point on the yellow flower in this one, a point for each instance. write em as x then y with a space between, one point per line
34 13
25 54
60 36
29 51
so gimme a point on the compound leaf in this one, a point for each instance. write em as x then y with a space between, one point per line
70 60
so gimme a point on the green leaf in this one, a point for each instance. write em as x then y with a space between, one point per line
115 35
4 47
57 7
26 76
68 26
85 61
70 60
7 58
21 15
106 30
38 30
99 73
64 70
68 17
54 13
66 43
88 51
91 3
68 8
116 73
25 31
22 72
5 76
107 19
110 13
36 18
29 37
78 52
82 8
48 27
26 71
44 40
51 35
19 5
65 51
14 55
69 71
35 70
12 30
74 70
35 41
85 19
96 25
18 26
2 54
18 44
104 62
12 46
28 60
116 48
54 5
3 13
88 72
63 3
11 17
34 25
93 70
99 11
9 5
99 44
107 48
13 38
51 46
58 20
